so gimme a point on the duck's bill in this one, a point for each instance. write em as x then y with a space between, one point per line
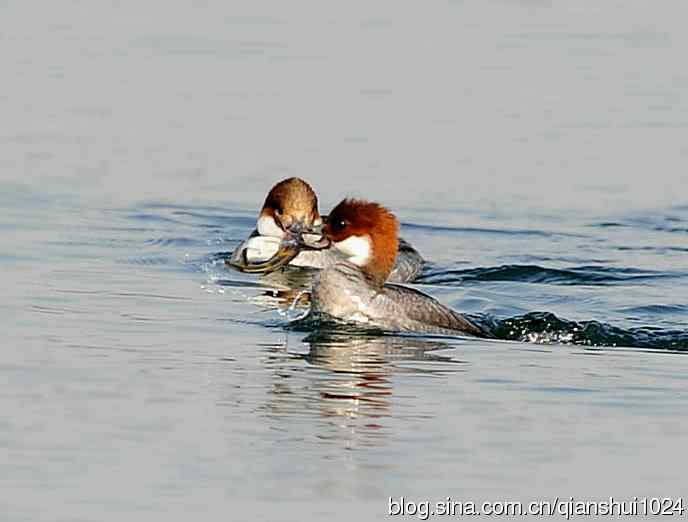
287 251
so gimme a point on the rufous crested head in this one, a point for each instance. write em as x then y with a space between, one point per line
367 232
290 202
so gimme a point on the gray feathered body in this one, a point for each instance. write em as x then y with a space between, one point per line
345 292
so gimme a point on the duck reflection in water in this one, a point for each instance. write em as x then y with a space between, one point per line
349 381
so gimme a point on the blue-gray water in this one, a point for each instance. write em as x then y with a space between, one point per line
536 155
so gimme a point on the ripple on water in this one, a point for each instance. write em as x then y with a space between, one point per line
175 242
581 275
146 260
488 231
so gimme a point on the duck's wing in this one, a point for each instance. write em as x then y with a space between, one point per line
408 265
424 313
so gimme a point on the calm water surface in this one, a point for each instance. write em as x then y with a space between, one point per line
535 154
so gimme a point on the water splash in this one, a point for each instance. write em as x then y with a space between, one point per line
547 328
290 313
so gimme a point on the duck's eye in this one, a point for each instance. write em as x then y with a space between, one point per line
338 225
278 212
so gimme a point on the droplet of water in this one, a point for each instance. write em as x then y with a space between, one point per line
291 314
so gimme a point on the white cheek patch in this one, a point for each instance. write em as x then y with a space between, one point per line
356 248
268 227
